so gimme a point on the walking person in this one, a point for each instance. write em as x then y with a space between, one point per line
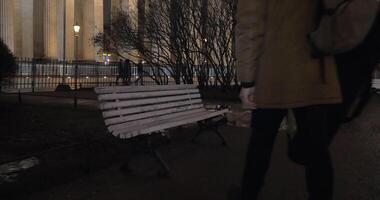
278 74
121 72
140 73
128 72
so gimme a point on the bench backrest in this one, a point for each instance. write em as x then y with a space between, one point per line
376 83
138 105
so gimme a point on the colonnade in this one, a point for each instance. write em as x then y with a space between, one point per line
44 28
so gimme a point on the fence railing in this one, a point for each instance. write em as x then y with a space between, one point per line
45 75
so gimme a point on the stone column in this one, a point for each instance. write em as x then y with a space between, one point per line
90 18
60 9
141 24
78 18
38 29
17 28
6 23
98 25
86 20
128 6
120 5
70 13
131 7
23 28
125 5
50 29
133 10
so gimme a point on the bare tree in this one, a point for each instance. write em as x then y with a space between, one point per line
182 38
220 41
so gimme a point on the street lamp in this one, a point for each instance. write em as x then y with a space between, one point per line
64 44
106 58
76 29
76 35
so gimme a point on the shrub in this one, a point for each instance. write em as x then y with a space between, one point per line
7 62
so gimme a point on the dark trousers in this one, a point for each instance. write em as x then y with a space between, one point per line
313 127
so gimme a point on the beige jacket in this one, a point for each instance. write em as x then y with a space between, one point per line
272 50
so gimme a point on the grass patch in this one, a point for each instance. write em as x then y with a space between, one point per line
27 129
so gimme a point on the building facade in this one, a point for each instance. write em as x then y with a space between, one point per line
44 28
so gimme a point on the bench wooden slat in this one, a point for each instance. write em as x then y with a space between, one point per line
118 120
129 125
112 105
376 83
127 111
139 95
169 123
129 128
124 89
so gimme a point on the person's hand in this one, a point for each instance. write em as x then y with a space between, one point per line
246 97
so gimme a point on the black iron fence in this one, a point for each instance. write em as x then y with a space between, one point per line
45 75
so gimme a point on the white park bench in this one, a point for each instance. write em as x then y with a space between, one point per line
131 111
376 84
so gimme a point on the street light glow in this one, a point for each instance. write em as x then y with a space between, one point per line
76 28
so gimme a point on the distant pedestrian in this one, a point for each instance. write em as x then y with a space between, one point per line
124 72
140 71
128 72
120 71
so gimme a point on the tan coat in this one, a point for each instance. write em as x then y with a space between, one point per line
272 51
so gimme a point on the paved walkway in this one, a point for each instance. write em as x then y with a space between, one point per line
87 100
206 170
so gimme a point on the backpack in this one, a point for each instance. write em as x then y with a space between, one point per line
343 25
356 59
355 71
349 31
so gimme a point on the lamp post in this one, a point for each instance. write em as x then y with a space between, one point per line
76 35
64 44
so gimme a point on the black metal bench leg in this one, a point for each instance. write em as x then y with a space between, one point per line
167 137
163 164
203 126
224 141
158 156
200 130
